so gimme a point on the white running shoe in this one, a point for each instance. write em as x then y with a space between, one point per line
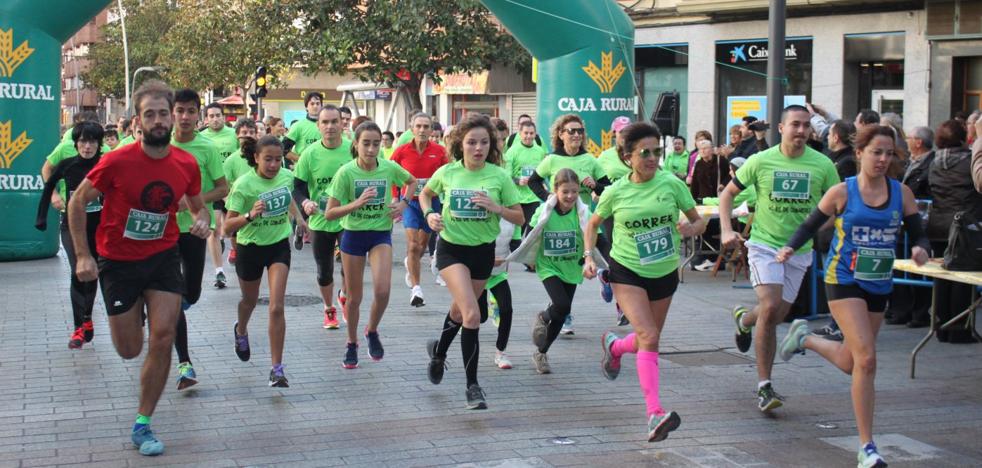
433 268
501 360
416 299
706 265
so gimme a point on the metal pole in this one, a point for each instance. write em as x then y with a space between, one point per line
775 69
126 54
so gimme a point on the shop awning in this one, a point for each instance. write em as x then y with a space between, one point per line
231 101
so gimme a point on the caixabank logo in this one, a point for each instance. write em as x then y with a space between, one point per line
13 146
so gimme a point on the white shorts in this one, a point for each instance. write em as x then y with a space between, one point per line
764 269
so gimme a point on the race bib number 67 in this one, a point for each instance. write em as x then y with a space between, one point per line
791 185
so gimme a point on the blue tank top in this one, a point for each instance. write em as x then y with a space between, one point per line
862 249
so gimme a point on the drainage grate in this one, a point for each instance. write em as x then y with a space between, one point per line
705 358
292 300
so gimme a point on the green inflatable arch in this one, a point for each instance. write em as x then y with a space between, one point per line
31 34
585 50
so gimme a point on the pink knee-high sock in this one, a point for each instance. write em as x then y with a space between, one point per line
623 346
647 364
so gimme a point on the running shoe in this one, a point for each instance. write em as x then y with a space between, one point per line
495 310
231 256
610 366
540 330
439 280
568 326
792 342
660 426
375 349
768 399
148 444
185 376
77 339
437 364
241 344
433 268
342 300
475 397
277 378
88 329
541 362
331 318
621 318
706 265
829 332
416 298
298 239
350 356
501 360
606 292
220 280
409 281
868 457
744 335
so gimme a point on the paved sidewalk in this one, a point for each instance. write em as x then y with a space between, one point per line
63 407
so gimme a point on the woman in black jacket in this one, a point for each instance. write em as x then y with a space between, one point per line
950 178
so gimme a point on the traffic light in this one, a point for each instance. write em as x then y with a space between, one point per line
261 81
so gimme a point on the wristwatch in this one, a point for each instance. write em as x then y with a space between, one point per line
248 216
587 253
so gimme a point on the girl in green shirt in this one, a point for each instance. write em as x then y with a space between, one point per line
644 261
555 245
258 210
476 193
358 197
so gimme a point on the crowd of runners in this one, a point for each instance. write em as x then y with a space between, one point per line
142 218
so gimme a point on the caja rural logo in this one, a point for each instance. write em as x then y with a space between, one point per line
606 77
10 59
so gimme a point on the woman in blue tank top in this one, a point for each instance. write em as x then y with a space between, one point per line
868 211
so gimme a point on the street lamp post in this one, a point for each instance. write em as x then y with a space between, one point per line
126 53
129 104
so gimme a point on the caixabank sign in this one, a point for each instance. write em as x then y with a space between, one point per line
30 59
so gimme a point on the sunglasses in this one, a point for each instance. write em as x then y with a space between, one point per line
649 153
575 131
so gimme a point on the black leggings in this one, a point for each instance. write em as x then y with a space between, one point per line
193 250
324 243
561 294
82 293
528 209
502 294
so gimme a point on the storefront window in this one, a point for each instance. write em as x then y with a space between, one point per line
663 69
479 103
741 73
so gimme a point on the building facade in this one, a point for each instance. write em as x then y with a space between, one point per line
920 59
75 96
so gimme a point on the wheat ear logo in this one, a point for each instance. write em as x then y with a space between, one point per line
607 75
11 58
606 141
11 148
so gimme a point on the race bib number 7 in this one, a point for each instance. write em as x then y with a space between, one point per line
462 207
276 202
873 264
791 185
145 226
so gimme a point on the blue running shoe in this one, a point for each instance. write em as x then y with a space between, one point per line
606 292
148 444
185 376
660 426
350 357
375 349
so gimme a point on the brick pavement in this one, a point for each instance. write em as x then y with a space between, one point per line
62 407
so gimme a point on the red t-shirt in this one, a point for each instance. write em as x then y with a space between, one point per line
421 166
140 196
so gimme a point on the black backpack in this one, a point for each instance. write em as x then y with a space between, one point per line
964 252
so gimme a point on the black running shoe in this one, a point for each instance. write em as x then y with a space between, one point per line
768 399
475 397
743 334
375 349
88 330
241 344
829 332
277 378
437 364
220 280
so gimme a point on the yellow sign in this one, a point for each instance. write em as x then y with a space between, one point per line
11 58
606 141
11 148
607 75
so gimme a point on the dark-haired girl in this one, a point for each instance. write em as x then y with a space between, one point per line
358 197
259 209
476 193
